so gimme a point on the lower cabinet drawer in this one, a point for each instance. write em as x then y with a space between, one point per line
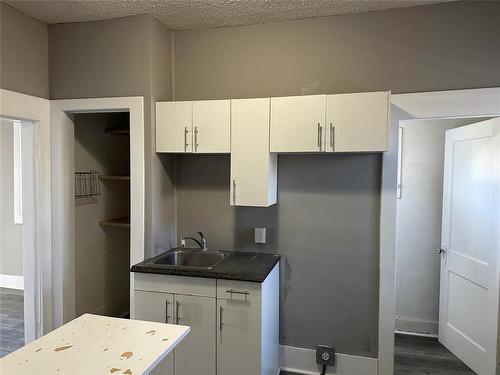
239 290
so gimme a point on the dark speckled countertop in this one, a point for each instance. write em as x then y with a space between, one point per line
237 265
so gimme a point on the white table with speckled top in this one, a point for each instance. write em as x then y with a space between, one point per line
95 345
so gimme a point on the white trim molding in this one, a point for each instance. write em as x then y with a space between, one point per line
11 282
425 105
62 140
34 112
303 361
18 173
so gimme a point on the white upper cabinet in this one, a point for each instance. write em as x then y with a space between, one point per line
298 123
200 127
212 126
174 127
357 122
253 167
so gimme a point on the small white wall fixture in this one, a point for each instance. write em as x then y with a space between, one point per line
425 105
63 215
34 115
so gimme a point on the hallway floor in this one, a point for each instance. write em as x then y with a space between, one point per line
425 356
11 320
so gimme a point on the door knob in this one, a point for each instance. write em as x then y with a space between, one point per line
441 251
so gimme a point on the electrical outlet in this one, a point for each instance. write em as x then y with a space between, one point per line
260 235
325 355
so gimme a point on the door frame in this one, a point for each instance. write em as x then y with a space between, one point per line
414 106
34 114
63 208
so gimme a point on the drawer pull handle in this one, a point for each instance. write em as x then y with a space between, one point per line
244 293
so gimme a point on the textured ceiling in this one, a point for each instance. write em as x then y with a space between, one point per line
201 14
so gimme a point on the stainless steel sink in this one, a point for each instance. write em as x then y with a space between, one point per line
195 258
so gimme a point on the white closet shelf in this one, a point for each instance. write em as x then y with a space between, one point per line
117 131
122 222
117 178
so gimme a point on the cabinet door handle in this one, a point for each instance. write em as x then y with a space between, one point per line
234 192
166 311
177 318
319 136
220 318
195 139
185 138
332 136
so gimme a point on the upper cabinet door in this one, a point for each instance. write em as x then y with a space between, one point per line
298 123
253 167
357 122
174 127
211 126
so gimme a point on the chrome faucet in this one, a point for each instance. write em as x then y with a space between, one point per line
202 243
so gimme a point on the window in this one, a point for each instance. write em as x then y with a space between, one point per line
18 174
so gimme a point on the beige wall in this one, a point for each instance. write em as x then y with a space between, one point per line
11 235
438 47
122 57
24 57
326 221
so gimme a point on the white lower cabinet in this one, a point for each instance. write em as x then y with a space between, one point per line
196 353
238 338
234 324
156 307
198 312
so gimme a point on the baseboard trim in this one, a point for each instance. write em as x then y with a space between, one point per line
11 282
303 361
416 326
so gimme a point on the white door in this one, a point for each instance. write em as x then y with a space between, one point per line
211 126
468 312
196 353
253 167
238 338
298 123
174 127
156 307
357 122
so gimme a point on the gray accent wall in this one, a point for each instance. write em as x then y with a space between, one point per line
24 55
325 226
327 218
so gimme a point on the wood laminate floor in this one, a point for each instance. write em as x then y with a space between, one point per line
425 356
11 320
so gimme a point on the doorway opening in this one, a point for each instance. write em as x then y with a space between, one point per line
428 303
18 290
102 213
